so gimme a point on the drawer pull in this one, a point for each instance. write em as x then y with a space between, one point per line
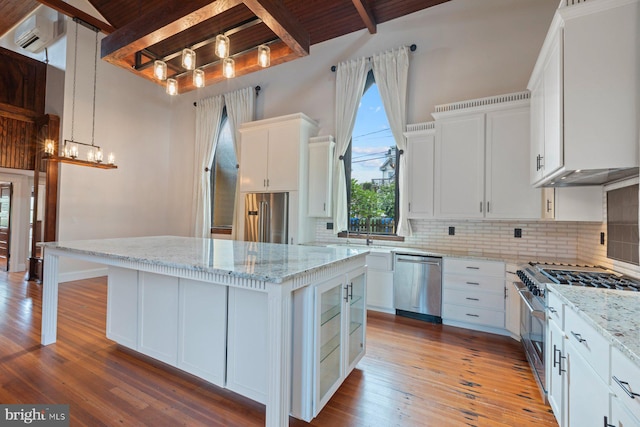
625 386
552 310
473 268
606 422
473 299
473 283
578 337
472 315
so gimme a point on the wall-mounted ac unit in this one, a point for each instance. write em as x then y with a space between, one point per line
35 33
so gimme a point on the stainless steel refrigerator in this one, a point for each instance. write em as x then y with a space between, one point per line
266 217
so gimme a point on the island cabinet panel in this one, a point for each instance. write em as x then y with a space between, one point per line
122 306
202 322
247 343
158 316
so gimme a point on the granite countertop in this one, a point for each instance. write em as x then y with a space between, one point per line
615 314
267 262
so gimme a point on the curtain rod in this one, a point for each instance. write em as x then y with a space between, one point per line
412 48
257 89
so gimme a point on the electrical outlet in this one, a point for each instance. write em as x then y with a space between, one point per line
517 232
452 231
329 226
602 238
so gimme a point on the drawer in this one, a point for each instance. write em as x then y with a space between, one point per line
491 301
588 342
473 283
555 309
625 371
380 261
478 316
475 267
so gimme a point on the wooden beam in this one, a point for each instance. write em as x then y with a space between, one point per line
167 19
67 9
282 23
366 14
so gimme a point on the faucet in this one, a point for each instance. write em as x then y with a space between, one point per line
369 239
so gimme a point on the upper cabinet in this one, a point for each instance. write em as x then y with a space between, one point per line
584 96
481 159
273 153
420 162
321 149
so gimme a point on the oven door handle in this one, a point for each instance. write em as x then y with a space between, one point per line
540 314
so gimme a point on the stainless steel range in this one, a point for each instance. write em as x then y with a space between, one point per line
535 277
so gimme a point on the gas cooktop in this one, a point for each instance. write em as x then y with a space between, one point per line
536 275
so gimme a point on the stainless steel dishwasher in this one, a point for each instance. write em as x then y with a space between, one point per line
417 286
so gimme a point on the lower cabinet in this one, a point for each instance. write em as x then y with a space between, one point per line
473 294
512 303
340 323
380 282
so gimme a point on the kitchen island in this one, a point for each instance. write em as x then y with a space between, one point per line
247 316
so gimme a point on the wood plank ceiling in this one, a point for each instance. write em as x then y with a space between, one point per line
141 31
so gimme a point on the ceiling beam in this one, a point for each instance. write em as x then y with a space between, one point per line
67 9
167 19
282 23
366 14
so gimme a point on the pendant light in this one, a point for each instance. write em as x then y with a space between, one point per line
70 151
160 70
228 68
222 46
264 55
188 59
198 78
172 86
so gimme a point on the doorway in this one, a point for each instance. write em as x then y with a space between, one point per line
5 224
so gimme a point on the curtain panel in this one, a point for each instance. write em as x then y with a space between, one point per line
350 81
391 71
240 109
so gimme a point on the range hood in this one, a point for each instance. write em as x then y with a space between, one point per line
579 177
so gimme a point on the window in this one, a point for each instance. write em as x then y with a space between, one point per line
370 164
224 173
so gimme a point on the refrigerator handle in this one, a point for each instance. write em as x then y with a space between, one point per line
262 222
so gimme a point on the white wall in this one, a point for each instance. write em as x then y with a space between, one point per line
133 121
466 49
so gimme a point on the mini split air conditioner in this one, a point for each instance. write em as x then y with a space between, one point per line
35 33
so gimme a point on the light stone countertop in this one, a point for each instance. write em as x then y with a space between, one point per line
615 314
267 262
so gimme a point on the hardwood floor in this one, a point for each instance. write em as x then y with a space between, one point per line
414 373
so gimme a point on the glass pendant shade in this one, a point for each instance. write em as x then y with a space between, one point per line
99 155
228 68
112 159
48 147
264 55
188 59
172 86
90 155
198 78
222 46
160 70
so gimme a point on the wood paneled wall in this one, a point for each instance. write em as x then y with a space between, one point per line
22 95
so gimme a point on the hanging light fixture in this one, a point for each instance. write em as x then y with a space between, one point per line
222 46
188 59
264 55
198 78
172 86
160 70
70 150
228 68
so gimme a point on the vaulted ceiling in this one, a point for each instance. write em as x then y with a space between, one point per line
140 31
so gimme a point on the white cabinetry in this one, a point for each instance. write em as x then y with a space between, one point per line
274 157
340 332
473 294
512 304
481 153
181 322
555 358
321 150
585 88
380 282
625 381
420 166
573 203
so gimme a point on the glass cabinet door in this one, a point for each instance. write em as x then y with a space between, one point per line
329 319
357 317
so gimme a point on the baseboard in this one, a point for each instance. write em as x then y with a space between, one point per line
82 274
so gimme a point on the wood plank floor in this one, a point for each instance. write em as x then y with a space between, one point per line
414 373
